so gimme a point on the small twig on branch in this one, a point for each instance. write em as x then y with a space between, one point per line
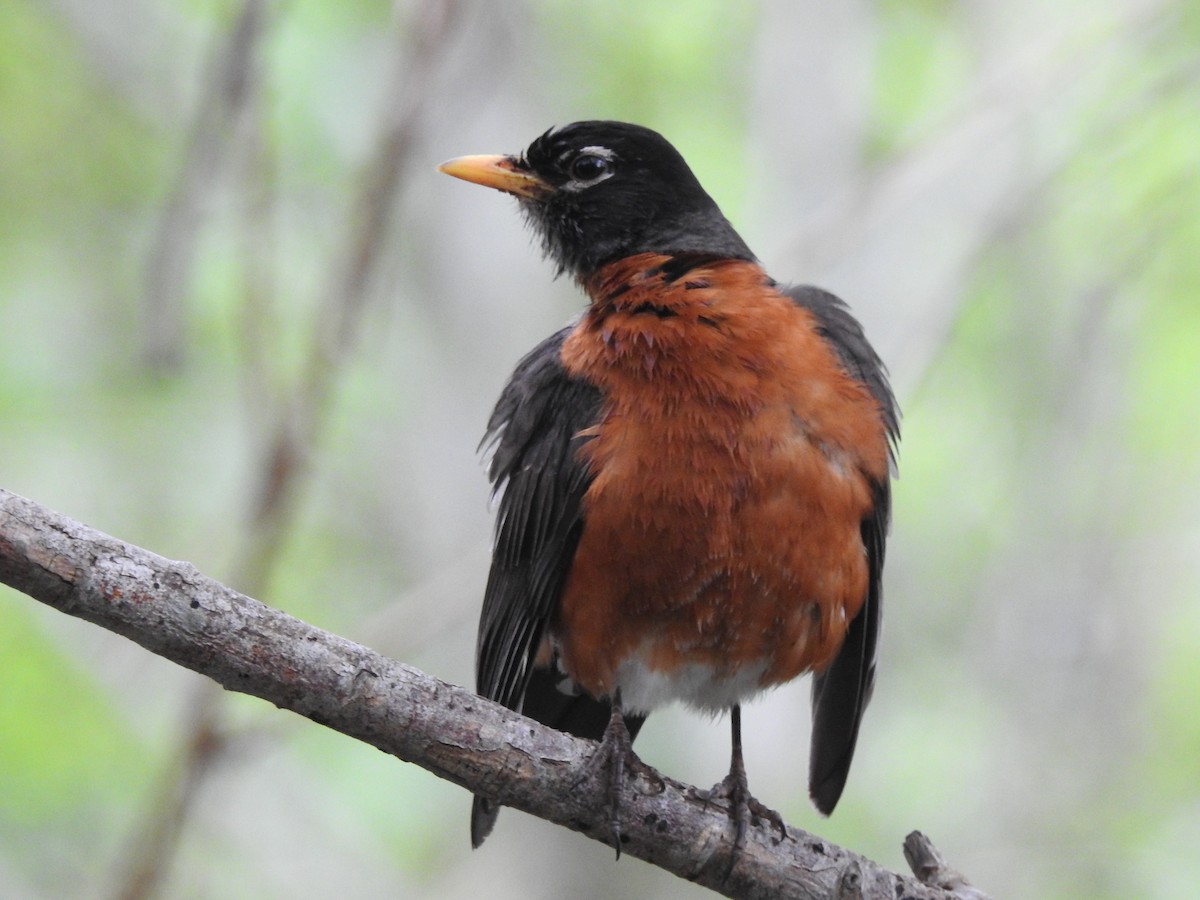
174 611
931 868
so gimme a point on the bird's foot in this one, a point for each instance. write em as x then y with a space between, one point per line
613 758
744 810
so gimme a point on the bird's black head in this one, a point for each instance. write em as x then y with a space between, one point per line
601 191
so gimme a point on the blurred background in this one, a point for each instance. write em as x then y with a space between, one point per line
244 322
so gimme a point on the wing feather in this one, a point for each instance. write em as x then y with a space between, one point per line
535 435
840 694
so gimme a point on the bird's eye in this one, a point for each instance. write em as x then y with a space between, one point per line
588 167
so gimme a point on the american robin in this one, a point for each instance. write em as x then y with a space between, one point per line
693 476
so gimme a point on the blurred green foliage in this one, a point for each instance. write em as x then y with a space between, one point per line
1007 195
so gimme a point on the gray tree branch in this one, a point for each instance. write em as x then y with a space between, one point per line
173 610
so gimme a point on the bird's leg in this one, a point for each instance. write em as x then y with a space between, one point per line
615 755
734 788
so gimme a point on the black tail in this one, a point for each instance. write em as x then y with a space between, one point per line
839 698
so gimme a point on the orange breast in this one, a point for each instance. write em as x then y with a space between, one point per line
722 528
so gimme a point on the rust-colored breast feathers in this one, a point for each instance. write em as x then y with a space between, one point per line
732 467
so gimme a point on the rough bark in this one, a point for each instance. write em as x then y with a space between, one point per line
173 610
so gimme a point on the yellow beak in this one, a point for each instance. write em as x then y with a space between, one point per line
499 172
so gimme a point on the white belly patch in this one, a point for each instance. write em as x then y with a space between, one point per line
695 684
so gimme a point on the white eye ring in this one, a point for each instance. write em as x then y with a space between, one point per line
589 166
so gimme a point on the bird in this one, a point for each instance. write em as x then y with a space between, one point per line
693 476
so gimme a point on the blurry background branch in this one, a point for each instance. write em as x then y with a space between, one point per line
171 609
291 419
229 94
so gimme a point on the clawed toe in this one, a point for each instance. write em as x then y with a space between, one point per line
743 808
611 760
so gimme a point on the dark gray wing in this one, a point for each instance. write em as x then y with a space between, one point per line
535 468
840 693
536 471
